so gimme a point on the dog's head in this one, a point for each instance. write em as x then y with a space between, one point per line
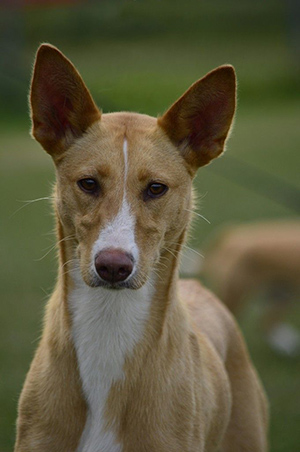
124 181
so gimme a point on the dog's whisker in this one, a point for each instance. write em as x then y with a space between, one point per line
167 259
45 292
70 270
163 265
198 215
54 246
175 244
69 261
49 233
29 202
201 196
188 248
174 253
46 254
68 237
158 276
193 250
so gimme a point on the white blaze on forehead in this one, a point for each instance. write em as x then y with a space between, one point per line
119 232
125 153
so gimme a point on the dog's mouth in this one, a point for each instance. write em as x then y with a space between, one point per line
132 284
92 279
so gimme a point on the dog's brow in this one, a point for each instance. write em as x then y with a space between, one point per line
145 175
102 170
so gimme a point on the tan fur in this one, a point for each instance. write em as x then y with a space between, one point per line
189 384
247 258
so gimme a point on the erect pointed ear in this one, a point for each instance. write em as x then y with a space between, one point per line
199 122
61 105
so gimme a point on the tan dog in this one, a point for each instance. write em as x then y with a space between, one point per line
245 259
131 358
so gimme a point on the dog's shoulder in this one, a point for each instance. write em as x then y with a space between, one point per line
209 315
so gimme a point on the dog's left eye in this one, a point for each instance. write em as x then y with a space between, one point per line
155 190
88 185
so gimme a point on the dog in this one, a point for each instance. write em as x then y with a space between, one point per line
131 359
242 260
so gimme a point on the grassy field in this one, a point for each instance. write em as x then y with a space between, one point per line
142 56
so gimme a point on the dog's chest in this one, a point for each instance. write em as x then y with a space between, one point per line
106 327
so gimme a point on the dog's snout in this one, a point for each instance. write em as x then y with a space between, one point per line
113 265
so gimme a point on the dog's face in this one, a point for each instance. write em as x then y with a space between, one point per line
124 181
120 187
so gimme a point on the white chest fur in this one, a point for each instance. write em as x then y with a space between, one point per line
106 326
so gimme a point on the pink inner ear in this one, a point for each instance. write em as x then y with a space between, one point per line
210 125
56 108
61 108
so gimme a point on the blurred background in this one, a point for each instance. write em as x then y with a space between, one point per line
142 55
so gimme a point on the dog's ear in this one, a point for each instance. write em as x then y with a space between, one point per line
61 106
199 122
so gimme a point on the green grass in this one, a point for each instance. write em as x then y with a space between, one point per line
142 58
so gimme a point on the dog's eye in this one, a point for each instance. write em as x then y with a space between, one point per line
88 185
155 190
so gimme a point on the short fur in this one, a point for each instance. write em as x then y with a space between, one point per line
151 363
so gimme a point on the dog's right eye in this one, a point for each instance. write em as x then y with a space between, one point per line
89 185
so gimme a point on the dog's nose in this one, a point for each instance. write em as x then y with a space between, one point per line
113 265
